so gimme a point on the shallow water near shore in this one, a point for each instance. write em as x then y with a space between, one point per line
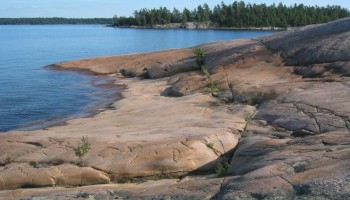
31 95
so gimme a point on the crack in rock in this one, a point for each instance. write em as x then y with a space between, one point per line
222 145
322 117
174 155
309 114
132 160
3 180
183 143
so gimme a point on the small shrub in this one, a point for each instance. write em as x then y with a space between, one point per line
200 60
212 86
214 90
82 149
221 169
210 145
248 118
205 71
200 57
211 83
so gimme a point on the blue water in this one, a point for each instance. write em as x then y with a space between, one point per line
31 94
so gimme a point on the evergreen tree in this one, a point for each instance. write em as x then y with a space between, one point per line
176 16
186 16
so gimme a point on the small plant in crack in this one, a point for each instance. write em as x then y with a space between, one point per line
212 86
200 59
82 149
210 145
248 118
221 169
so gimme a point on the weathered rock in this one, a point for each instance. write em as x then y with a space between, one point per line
169 69
167 26
294 164
313 108
186 188
313 47
62 175
187 84
268 188
133 64
166 137
196 25
187 25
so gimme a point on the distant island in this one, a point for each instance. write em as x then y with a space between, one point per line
238 15
54 20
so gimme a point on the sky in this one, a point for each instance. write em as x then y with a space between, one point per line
109 8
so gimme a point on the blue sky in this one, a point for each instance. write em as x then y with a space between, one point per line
109 8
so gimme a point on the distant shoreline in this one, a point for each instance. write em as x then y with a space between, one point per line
200 26
166 27
211 28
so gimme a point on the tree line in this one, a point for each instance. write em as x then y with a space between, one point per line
55 20
237 14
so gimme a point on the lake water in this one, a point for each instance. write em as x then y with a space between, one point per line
31 94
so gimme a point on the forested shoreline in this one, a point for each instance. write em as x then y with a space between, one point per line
55 20
236 15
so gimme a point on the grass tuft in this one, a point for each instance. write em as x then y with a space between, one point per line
210 145
221 169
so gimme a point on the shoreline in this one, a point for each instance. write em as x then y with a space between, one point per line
134 129
107 86
207 28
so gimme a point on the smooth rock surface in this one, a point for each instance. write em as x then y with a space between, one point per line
145 135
